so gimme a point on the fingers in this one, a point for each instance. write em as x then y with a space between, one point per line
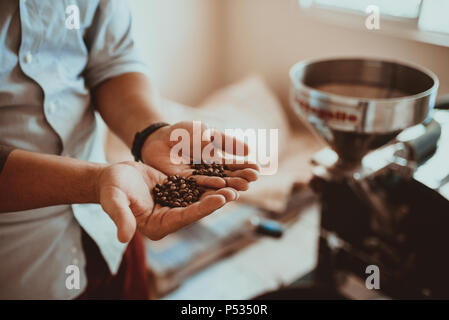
230 194
241 166
168 220
205 181
226 142
247 174
223 141
204 207
237 183
171 220
237 179
210 202
116 205
210 182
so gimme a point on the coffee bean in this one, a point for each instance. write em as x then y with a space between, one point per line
206 169
177 192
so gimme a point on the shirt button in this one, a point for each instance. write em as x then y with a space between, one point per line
51 107
73 249
28 57
75 261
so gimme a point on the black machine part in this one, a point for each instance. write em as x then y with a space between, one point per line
443 103
423 146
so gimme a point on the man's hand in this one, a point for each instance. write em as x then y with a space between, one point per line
32 180
124 191
156 153
127 103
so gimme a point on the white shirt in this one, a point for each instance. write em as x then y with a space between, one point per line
46 71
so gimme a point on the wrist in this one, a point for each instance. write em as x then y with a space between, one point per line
94 173
142 137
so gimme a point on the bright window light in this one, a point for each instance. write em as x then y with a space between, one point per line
435 16
397 8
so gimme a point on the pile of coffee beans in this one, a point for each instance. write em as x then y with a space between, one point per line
177 192
213 169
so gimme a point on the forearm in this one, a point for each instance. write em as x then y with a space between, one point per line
127 104
32 180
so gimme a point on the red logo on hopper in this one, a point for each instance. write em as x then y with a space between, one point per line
327 114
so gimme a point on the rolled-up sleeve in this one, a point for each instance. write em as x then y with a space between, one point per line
110 43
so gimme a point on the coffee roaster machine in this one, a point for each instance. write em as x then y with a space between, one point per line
384 222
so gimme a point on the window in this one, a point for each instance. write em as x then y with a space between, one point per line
434 16
421 20
395 8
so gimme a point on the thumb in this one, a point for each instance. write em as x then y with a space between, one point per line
116 204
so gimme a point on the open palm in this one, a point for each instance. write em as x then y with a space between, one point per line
156 153
125 194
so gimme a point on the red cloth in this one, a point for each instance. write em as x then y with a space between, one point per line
131 281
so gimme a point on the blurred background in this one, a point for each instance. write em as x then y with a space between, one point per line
214 59
194 47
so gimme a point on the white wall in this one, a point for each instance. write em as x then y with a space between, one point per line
179 39
269 36
195 46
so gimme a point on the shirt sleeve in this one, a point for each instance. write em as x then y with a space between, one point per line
4 153
110 43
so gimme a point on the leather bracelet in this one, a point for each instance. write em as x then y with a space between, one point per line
140 137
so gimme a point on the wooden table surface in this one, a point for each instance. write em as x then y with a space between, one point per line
263 266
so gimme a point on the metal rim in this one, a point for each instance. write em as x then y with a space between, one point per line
355 100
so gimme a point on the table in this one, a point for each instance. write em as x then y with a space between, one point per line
266 265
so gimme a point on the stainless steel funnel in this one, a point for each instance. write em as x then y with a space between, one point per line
359 104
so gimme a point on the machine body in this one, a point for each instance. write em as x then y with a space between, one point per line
375 214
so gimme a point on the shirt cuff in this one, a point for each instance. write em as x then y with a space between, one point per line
115 69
